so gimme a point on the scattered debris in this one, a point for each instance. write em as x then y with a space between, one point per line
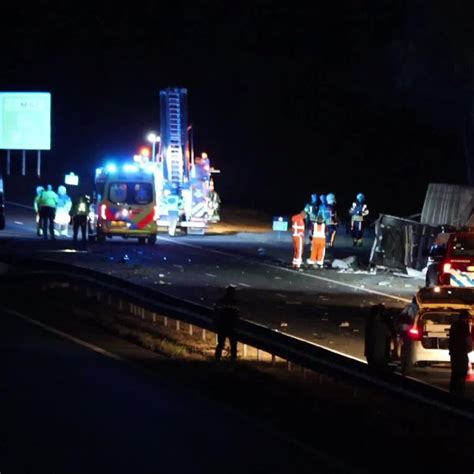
161 275
350 261
384 283
284 325
344 324
162 282
336 263
124 259
355 330
277 278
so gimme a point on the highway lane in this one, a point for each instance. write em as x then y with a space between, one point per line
71 404
323 306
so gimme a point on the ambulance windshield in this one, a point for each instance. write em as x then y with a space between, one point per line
130 193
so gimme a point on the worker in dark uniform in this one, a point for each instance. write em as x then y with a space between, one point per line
226 317
377 338
79 213
460 345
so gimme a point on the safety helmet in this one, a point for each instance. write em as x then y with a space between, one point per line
331 198
39 190
360 197
62 190
322 198
314 197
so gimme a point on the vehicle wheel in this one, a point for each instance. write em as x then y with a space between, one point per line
431 276
100 238
152 240
141 240
406 361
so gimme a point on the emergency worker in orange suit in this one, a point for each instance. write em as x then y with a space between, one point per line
318 244
297 225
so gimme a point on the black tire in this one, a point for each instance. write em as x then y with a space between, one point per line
100 238
152 240
406 362
141 240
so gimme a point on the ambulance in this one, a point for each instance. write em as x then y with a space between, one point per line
127 202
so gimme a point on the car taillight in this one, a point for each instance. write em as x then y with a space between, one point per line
446 268
415 333
103 208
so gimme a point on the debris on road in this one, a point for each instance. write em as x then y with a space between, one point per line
336 263
384 283
344 324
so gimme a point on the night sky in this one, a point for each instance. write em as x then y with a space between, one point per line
366 96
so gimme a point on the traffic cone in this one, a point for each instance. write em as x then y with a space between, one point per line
470 373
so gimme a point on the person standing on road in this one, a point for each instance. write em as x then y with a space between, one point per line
47 203
226 317
36 205
331 223
297 226
318 244
358 212
79 214
311 210
377 338
404 322
460 345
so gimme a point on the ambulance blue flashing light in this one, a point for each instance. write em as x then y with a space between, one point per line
111 168
130 168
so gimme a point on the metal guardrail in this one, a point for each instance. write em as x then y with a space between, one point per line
284 346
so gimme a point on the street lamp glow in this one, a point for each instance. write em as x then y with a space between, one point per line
153 138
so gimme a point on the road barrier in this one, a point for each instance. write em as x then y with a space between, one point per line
256 341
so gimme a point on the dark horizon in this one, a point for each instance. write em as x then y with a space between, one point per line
373 98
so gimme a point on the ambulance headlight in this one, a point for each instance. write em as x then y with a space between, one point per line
124 212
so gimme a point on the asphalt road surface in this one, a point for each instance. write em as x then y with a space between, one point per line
76 404
327 307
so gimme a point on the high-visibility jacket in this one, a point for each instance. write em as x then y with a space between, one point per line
48 199
319 231
297 225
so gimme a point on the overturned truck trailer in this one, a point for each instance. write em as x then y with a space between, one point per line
402 243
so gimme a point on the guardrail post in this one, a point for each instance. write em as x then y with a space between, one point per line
153 317
190 329
289 365
203 334
273 360
245 350
131 308
165 320
177 325
142 311
258 353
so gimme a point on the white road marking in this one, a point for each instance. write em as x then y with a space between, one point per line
245 284
65 335
18 222
19 205
316 277
210 275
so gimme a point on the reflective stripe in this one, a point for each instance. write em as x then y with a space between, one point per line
461 279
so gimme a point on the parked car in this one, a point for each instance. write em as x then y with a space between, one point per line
426 341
